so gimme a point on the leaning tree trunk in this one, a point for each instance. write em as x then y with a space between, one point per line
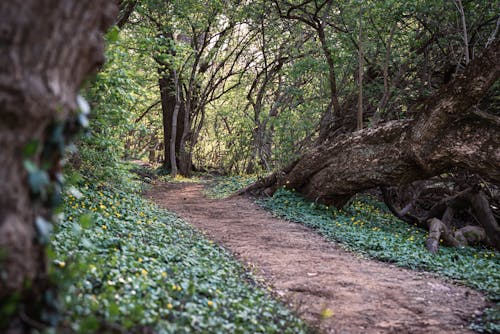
47 48
445 133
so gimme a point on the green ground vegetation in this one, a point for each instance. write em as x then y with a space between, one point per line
366 227
124 262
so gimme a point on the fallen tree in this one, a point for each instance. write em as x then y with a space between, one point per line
445 133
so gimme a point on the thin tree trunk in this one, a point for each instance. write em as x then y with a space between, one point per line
333 109
173 136
460 8
126 9
359 122
387 91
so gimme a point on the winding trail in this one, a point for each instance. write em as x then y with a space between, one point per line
312 274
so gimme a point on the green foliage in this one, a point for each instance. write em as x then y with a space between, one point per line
222 187
128 263
489 322
365 227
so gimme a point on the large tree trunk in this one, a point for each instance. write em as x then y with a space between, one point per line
444 134
47 48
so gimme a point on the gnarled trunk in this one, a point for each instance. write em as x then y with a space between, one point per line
47 48
444 134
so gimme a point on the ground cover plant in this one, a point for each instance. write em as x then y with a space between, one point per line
222 187
366 226
129 265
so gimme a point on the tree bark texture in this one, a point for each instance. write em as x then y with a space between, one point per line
173 136
444 134
168 101
47 48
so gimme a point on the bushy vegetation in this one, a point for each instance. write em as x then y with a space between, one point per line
127 263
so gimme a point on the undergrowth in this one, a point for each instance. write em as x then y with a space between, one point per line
222 187
366 227
129 265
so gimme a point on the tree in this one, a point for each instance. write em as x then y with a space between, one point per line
48 48
315 15
445 133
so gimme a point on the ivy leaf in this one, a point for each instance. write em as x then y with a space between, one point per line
83 120
30 148
43 229
38 181
83 105
75 192
86 220
30 166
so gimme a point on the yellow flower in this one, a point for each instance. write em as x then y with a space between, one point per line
164 274
140 260
327 313
169 306
210 303
61 264
104 227
103 207
144 272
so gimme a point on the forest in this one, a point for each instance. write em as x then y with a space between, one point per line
265 166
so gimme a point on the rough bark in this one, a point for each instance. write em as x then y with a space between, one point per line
444 133
471 198
168 101
47 48
359 117
173 137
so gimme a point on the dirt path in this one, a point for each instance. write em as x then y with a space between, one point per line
312 274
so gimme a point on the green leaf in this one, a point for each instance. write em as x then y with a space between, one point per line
38 181
30 166
83 120
113 34
83 105
43 229
30 148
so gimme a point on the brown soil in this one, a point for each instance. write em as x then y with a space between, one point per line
312 274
